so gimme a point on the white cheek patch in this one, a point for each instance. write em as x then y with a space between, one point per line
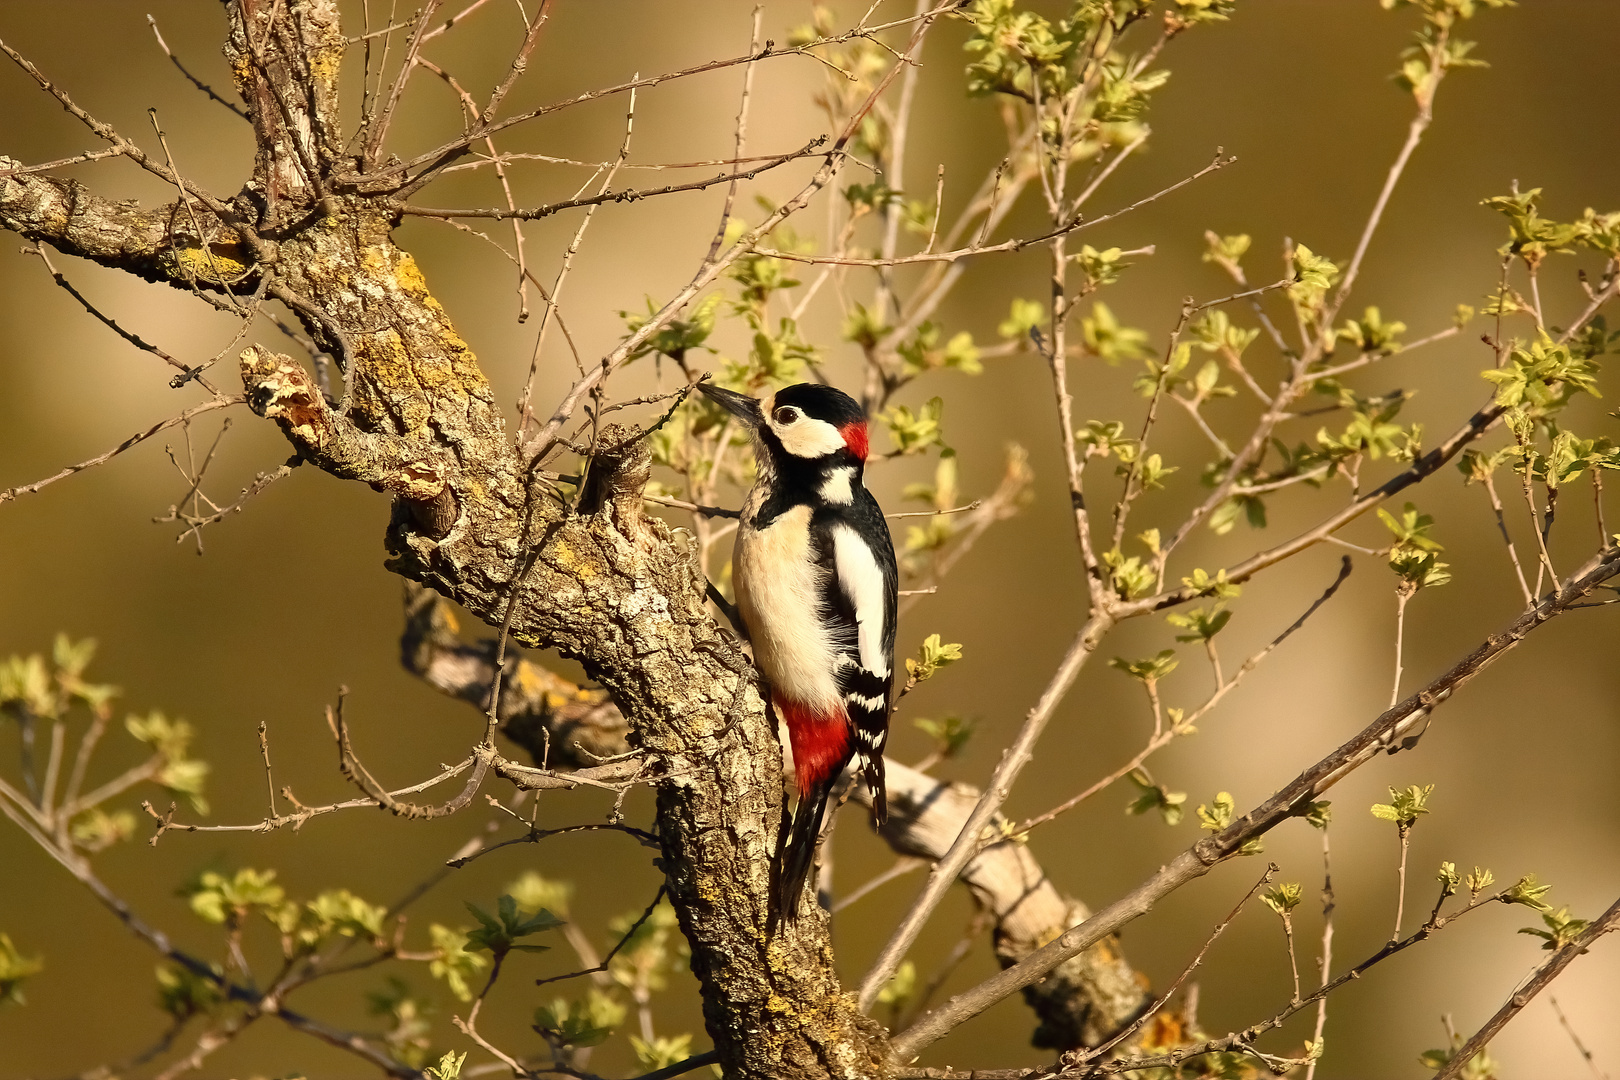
808 438
836 488
862 582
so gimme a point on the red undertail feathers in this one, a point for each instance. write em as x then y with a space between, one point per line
821 748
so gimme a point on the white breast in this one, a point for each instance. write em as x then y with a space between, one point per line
779 598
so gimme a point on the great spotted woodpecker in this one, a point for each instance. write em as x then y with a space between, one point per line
816 586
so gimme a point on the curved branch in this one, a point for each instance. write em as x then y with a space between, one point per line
65 215
1393 731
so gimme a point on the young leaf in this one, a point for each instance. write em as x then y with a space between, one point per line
1283 899
1406 805
14 968
932 655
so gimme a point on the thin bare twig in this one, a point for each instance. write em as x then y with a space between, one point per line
133 441
134 339
198 83
1018 244
1220 928
1386 733
1580 1047
553 310
1538 981
1223 688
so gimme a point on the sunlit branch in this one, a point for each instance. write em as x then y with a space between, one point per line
1526 992
1383 735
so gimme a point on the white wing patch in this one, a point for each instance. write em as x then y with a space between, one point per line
861 581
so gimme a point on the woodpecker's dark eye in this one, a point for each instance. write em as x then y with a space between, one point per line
787 414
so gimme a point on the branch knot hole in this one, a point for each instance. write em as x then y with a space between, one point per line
616 476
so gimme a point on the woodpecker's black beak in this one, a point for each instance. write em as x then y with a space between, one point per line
741 406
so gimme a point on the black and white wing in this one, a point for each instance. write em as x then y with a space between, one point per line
862 597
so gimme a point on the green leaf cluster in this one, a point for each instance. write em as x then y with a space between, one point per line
912 432
1124 94
14 969
499 933
184 993
901 987
1251 508
1100 267
1319 815
1154 796
1313 276
864 326
1481 1067
1217 586
1528 892
932 655
1150 471
1284 898
97 829
1405 805
582 1022
453 962
1216 332
662 1051
335 911
1371 335
650 953
407 1036
1531 236
930 537
1129 575
1022 317
1449 879
1218 814
449 1066
535 893
181 774
1201 624
229 900
28 685
1226 252
1562 929
1543 377
1414 554
1192 12
1372 431
950 734
923 352
1106 438
1149 670
1013 48
1102 335
681 335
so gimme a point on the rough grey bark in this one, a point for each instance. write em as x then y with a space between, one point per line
1083 1001
600 582
559 723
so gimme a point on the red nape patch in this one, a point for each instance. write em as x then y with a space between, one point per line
855 438
820 742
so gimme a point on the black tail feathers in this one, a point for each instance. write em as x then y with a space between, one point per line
798 853
872 775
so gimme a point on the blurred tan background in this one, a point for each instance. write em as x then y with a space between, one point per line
290 599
